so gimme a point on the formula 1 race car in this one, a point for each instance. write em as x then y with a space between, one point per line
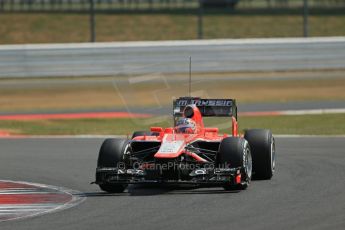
188 153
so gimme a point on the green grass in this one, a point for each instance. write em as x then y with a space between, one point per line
330 124
58 28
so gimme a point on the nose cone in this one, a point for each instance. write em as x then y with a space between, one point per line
172 146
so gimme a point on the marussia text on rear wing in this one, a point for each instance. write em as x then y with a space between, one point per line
207 107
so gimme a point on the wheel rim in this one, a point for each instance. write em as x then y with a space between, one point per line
273 155
248 165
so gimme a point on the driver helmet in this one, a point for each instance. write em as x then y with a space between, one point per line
185 125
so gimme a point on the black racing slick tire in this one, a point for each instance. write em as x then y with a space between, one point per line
235 152
111 154
262 145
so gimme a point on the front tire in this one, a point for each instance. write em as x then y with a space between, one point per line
235 152
112 188
262 145
111 155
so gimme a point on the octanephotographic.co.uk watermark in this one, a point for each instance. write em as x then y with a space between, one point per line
172 166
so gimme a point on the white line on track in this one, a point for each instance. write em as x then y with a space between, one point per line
248 41
313 111
22 192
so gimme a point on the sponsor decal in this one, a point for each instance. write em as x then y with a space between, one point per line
204 102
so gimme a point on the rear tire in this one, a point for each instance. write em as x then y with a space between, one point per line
262 145
235 152
111 155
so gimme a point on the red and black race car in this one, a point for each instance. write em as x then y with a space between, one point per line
189 152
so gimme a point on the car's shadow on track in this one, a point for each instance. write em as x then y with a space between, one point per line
152 190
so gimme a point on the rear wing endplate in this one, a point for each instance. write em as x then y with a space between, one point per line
207 107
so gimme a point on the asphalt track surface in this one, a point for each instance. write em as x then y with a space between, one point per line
307 191
85 59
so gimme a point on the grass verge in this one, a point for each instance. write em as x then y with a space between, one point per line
18 28
327 124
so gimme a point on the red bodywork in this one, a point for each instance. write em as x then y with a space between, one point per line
173 144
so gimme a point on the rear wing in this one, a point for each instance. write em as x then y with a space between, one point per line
207 107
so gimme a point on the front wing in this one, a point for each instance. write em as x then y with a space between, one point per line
200 177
